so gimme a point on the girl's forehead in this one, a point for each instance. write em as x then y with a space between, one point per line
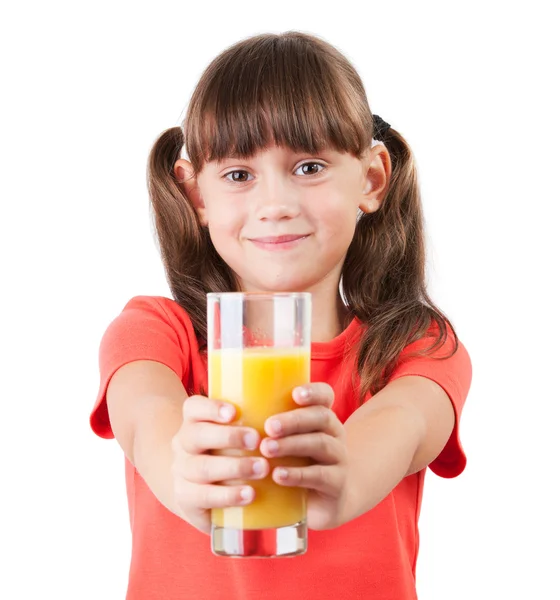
236 131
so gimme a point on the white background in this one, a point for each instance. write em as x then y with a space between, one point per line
87 89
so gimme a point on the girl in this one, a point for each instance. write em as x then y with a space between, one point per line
283 190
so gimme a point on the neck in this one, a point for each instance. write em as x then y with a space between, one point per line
330 316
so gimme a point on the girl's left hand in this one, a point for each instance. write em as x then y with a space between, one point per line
313 431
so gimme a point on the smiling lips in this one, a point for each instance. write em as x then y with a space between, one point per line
279 242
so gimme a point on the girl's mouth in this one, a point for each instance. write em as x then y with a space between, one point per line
279 242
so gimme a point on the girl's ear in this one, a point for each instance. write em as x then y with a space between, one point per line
184 174
377 174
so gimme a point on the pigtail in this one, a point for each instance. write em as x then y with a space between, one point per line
193 267
383 276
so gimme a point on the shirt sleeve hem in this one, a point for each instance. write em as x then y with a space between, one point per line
452 460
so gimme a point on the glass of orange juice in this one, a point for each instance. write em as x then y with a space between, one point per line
259 350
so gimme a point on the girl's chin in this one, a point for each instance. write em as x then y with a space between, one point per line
278 284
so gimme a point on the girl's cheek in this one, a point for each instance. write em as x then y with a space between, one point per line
225 223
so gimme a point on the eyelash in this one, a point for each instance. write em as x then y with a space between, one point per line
323 167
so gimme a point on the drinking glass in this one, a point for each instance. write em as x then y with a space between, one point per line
259 350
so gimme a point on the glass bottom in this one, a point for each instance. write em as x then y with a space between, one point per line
260 543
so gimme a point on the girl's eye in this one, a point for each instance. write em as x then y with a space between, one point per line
310 168
235 176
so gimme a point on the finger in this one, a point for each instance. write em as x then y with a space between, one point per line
201 437
320 478
200 408
319 447
304 420
314 393
203 497
206 468
222 496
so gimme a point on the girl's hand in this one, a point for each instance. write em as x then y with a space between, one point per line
312 431
196 471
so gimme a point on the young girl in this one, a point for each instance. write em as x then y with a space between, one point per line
290 185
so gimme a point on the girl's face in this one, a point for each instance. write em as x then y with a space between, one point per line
283 221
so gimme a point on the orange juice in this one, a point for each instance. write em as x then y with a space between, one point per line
259 381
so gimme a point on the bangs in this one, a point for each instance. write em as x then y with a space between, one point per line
291 90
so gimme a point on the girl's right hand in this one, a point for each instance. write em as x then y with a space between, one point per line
197 472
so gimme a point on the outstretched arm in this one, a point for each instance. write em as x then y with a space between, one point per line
354 466
398 432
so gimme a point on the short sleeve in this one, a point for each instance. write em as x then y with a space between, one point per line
454 375
148 328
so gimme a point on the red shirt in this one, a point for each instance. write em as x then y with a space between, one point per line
373 556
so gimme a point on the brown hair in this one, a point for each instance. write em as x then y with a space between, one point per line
299 91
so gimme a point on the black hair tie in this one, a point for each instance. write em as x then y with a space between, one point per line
379 127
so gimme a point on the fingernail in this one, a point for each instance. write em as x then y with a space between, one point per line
281 473
303 393
226 412
275 426
246 495
272 446
250 440
258 467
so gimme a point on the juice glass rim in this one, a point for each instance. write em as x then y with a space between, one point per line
259 295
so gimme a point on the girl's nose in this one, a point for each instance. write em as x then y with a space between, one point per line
276 201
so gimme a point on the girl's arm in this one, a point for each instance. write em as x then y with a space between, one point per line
144 400
398 432
354 466
168 438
